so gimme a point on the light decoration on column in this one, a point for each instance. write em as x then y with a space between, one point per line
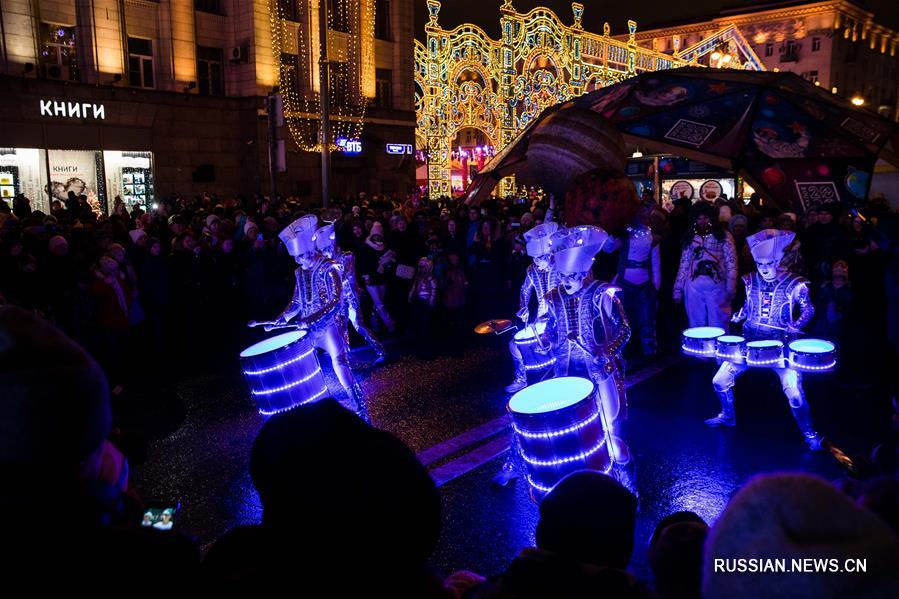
298 74
538 61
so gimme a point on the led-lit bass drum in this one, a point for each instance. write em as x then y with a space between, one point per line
559 430
766 353
527 342
731 348
283 372
701 341
812 355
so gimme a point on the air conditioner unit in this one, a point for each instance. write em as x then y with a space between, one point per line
238 54
54 71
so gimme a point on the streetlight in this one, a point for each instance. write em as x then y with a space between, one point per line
857 101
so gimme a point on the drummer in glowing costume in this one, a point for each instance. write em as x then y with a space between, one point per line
326 243
587 329
316 300
777 308
540 278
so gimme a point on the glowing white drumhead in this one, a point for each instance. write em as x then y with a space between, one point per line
272 343
812 346
551 395
528 332
731 339
765 343
703 332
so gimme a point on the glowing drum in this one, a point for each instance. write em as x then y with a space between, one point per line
283 372
559 430
812 355
768 353
701 341
527 343
731 348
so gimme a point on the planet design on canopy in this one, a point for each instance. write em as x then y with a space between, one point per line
857 181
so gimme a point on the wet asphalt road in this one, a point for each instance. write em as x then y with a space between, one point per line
202 428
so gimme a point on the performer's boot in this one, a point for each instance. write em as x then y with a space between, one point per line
521 378
355 393
511 467
803 417
726 417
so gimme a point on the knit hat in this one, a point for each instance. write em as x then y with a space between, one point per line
794 516
54 404
573 249
57 242
769 245
137 235
589 517
537 239
249 225
212 218
737 219
376 229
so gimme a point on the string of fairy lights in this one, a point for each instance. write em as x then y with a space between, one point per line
301 95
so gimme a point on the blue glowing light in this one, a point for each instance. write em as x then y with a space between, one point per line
764 343
731 339
813 346
578 457
302 403
280 365
272 343
698 352
703 332
556 433
540 365
551 395
526 335
290 385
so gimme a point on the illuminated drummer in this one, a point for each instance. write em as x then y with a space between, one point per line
539 279
326 243
587 328
777 308
316 301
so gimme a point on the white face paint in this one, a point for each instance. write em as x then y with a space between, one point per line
306 260
572 282
542 263
768 269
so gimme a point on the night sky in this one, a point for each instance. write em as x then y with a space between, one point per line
647 13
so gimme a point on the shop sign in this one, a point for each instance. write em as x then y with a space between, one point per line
710 191
73 110
399 148
349 146
681 189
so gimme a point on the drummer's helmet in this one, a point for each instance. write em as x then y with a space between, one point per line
537 243
767 249
326 240
573 252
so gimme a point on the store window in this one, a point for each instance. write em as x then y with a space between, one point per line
129 175
384 88
23 171
210 71
140 62
58 58
79 172
382 20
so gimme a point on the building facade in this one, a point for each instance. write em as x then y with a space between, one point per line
834 43
146 98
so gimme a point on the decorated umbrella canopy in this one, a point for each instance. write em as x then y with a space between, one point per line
795 143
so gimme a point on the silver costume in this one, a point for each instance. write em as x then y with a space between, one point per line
317 302
326 243
587 329
777 307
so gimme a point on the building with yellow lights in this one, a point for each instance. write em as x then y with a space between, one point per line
835 43
146 98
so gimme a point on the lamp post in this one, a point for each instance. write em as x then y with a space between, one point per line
324 100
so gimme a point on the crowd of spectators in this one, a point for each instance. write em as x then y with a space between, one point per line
193 271
348 511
